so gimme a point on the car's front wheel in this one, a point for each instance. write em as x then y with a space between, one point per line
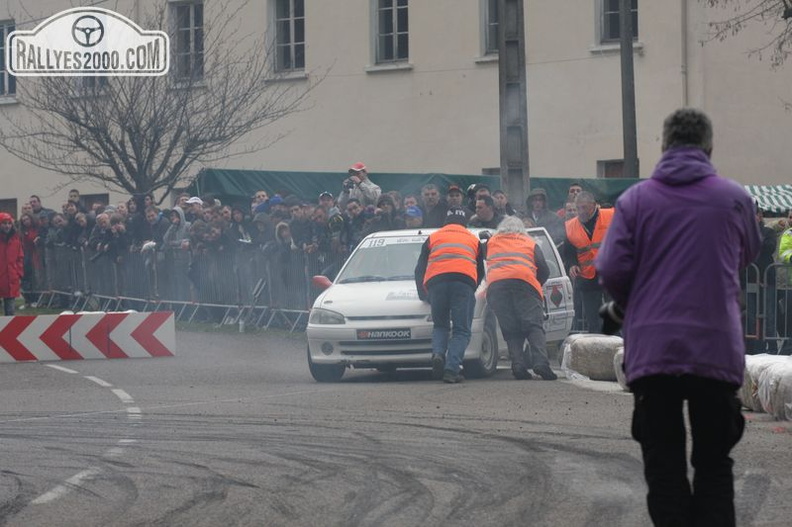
325 372
487 362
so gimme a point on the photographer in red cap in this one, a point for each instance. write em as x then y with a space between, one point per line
359 186
449 269
11 263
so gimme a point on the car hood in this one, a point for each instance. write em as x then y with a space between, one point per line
374 299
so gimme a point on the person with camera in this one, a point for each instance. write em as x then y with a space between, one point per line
359 186
671 262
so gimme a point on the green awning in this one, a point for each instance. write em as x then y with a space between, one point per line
772 198
232 186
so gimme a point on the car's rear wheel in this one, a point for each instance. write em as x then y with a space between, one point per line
487 363
325 372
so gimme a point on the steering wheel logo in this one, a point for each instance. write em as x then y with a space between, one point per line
87 31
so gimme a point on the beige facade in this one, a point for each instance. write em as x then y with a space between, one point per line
437 111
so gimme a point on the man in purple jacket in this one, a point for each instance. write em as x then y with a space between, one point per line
671 262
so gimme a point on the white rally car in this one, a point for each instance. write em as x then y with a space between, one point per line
371 317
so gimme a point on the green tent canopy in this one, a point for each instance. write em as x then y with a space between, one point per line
238 186
772 198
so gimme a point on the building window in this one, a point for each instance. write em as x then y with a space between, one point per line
392 31
188 40
491 18
91 85
9 206
290 35
610 20
7 81
611 168
89 200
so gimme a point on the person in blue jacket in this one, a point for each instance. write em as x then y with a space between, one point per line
671 262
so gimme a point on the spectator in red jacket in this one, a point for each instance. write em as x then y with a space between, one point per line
29 235
11 263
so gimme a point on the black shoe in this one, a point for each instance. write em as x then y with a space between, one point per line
545 372
451 378
438 365
520 372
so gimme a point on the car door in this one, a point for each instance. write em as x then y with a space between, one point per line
559 307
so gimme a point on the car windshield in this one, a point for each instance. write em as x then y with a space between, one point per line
382 260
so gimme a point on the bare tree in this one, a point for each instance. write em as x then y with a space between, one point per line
143 134
776 15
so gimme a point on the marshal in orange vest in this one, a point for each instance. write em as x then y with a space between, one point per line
587 249
512 256
452 249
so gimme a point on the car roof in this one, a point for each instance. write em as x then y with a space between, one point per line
404 233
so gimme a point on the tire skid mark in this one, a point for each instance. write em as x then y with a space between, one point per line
134 414
73 483
12 506
420 488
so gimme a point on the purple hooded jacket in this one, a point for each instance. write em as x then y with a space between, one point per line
671 258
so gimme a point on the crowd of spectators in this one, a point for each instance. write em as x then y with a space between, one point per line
296 237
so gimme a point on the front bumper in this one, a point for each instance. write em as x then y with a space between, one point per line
338 344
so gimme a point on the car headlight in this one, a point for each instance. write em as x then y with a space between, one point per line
325 316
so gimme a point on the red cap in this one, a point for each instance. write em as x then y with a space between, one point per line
357 167
454 188
4 216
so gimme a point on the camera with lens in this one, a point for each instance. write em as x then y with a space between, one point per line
612 315
349 184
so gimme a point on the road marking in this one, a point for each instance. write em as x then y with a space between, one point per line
99 381
598 386
75 481
60 368
121 394
71 484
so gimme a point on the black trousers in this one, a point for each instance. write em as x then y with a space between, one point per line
520 314
716 424
591 300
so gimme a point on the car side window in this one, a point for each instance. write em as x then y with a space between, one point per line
550 256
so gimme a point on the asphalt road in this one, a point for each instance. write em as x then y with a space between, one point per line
234 431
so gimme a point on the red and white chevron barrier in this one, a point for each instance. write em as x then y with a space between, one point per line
87 336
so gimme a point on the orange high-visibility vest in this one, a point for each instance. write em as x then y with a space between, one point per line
587 249
452 249
511 256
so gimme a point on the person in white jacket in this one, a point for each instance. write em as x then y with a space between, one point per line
358 185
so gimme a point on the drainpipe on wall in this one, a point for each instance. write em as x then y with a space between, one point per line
629 125
684 50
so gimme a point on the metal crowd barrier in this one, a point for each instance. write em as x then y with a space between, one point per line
245 286
767 309
251 286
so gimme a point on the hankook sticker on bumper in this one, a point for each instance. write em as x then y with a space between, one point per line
384 334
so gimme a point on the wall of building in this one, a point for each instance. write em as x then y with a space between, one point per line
440 114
